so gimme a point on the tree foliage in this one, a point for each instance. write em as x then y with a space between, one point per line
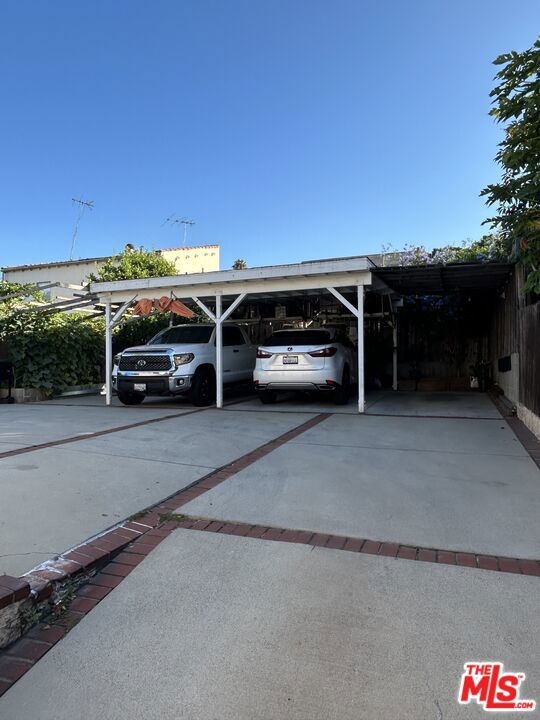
239 264
490 248
134 263
516 100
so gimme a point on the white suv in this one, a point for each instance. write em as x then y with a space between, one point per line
320 359
181 360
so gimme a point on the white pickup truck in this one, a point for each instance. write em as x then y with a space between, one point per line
181 360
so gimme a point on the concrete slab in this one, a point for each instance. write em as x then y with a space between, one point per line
212 626
60 496
53 500
493 437
211 438
442 404
387 402
32 424
294 403
451 484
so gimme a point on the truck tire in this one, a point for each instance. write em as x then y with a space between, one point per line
203 390
343 392
268 397
128 398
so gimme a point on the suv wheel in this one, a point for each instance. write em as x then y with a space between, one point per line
128 398
343 392
203 390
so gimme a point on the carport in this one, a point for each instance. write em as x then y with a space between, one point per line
219 294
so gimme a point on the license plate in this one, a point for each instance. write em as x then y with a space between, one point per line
139 387
290 359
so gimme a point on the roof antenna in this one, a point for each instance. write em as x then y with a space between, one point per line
83 205
173 220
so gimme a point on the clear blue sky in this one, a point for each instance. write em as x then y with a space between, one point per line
288 129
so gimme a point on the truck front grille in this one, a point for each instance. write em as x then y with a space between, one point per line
145 362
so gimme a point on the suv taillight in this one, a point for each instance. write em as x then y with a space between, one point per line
325 352
263 354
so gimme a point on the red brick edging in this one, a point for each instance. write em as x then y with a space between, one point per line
369 547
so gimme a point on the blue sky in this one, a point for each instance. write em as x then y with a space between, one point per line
287 129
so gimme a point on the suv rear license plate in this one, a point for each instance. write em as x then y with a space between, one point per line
139 387
290 359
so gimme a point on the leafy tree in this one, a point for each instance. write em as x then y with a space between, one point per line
239 264
516 100
134 263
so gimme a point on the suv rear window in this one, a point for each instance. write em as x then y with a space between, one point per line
183 334
300 337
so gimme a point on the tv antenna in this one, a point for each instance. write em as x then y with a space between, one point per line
174 220
83 206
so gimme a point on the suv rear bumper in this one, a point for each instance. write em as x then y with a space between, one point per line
296 379
155 385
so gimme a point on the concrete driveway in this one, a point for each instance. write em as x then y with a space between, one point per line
214 625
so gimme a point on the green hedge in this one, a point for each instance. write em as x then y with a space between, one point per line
53 352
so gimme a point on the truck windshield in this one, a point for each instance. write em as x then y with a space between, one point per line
300 337
183 334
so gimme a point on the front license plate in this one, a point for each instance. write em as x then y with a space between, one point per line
290 359
139 387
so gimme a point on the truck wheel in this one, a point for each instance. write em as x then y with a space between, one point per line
344 390
203 390
268 397
127 398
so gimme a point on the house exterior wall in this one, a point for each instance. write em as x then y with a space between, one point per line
204 258
70 273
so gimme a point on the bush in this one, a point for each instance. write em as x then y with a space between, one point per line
53 352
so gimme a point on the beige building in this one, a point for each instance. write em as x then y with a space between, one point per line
201 258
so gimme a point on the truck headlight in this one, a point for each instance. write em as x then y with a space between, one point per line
183 359
116 359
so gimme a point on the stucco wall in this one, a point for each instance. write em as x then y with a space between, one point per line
194 259
204 258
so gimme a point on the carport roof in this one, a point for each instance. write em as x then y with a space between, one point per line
443 279
310 275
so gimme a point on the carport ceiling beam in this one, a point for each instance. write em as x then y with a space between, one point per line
343 300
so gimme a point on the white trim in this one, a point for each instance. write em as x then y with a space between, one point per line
353 271
219 354
108 354
360 320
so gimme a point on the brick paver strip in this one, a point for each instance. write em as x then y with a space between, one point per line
97 433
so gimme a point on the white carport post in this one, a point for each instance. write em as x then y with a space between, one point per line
108 353
358 312
110 323
219 354
219 318
360 332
